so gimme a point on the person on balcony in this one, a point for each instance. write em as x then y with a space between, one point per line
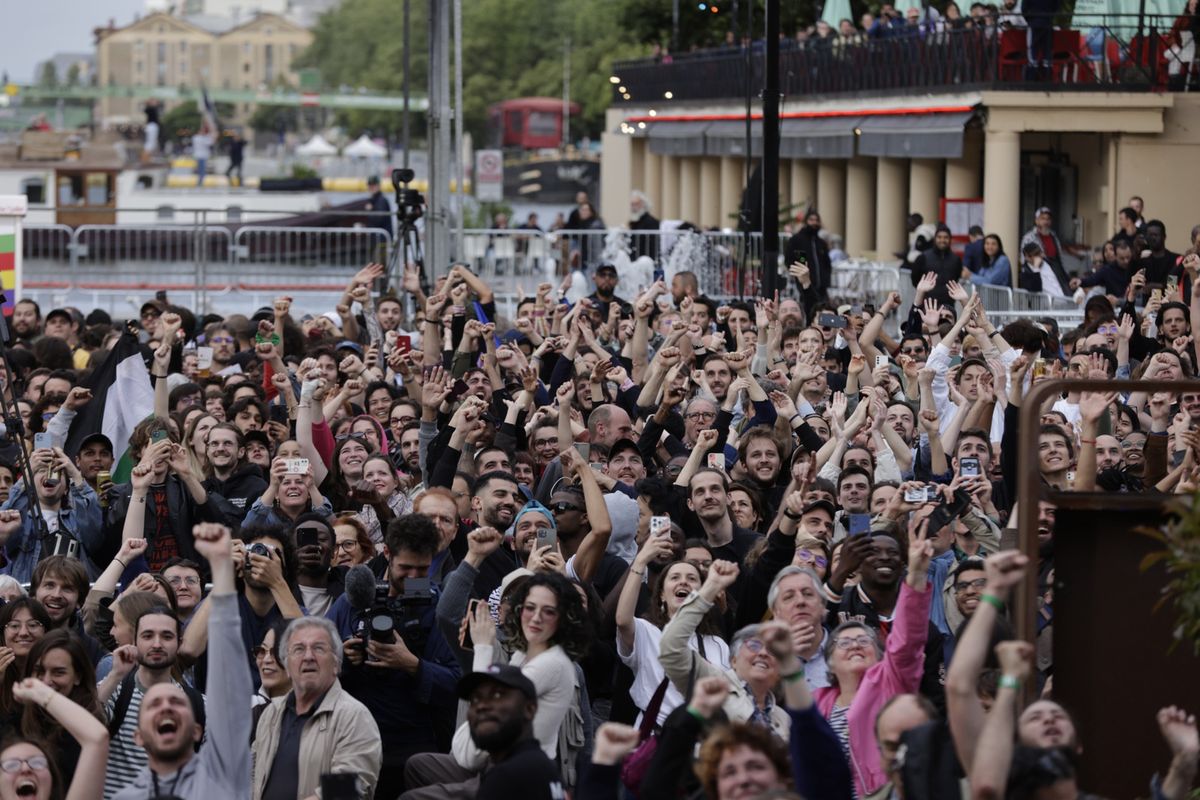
943 262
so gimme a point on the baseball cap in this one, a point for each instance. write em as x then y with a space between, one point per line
151 305
504 674
1043 210
257 436
264 313
349 345
623 444
96 438
606 268
60 312
820 505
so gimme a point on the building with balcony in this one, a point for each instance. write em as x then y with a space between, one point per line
217 52
872 129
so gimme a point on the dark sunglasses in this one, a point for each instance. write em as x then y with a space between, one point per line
560 508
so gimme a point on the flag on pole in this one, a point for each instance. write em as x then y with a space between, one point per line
121 398
208 111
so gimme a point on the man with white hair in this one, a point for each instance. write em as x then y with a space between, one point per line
317 727
641 218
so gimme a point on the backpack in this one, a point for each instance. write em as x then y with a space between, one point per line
125 696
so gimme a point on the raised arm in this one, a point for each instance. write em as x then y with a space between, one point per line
595 543
654 547
993 754
680 663
964 710
84 728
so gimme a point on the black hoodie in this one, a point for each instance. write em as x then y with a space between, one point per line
244 486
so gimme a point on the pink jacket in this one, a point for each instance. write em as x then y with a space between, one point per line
898 673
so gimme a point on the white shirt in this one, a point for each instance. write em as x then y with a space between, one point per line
648 673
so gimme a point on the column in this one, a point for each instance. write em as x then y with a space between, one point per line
733 182
925 187
670 187
616 176
1002 191
652 182
803 181
689 189
831 195
860 206
710 192
962 174
891 206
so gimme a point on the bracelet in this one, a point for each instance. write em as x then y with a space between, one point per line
703 719
787 512
122 563
993 601
1009 682
1087 441
793 676
794 417
641 574
993 333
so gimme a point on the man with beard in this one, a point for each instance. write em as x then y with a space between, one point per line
942 262
408 683
807 247
585 527
709 500
606 286
232 477
759 455
26 320
624 468
169 717
1161 263
60 583
718 376
961 593
409 450
319 583
641 219
497 503
124 690
502 705
606 424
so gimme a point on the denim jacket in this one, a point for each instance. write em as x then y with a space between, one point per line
80 516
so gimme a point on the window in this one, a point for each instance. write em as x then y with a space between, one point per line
34 190
183 48
268 63
160 73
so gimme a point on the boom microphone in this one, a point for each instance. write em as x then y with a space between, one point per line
360 587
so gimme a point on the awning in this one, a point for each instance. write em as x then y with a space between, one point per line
914 135
677 138
817 137
728 138
809 137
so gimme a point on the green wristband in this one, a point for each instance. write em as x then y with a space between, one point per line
697 714
1009 682
793 676
993 601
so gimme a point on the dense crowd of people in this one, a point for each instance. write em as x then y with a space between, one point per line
644 544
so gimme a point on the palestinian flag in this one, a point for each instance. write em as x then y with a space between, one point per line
121 398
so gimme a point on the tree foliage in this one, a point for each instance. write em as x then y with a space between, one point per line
510 49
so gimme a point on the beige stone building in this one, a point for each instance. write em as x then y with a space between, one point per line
866 161
187 52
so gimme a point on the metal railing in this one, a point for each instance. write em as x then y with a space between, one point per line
1102 52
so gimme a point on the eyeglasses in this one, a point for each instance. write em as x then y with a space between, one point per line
346 545
263 651
318 649
560 508
33 626
400 422
912 351
754 645
180 580
807 555
14 764
978 583
1112 329
221 340
550 442
846 642
701 415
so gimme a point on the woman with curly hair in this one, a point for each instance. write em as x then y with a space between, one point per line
548 633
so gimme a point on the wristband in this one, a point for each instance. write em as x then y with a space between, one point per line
641 574
993 601
703 719
787 512
1087 441
795 417
1009 682
122 563
793 676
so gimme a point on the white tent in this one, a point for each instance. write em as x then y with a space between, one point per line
316 146
362 147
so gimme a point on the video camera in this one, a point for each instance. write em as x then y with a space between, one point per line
380 617
410 204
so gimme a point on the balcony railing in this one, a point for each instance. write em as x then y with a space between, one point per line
1113 52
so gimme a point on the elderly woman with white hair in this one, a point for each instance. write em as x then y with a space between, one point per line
11 588
753 672
317 727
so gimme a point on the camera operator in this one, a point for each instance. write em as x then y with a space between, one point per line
408 683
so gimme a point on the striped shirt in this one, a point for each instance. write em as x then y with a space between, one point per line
125 758
840 723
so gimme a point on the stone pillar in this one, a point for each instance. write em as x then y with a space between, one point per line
733 182
925 187
652 181
710 191
803 183
962 174
891 206
831 195
1002 192
860 206
616 176
670 187
689 189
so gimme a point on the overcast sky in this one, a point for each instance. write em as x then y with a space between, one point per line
34 30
